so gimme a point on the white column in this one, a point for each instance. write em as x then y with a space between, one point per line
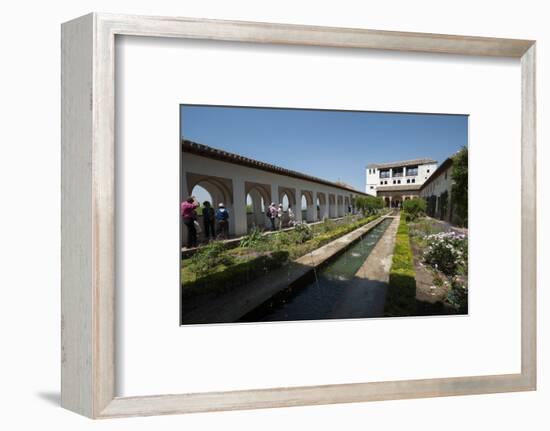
298 208
312 209
239 208
331 208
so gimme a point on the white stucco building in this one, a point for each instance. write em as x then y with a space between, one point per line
437 192
231 178
398 181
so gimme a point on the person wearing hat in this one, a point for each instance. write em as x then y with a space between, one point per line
272 214
222 217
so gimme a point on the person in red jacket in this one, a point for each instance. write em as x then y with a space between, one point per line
189 215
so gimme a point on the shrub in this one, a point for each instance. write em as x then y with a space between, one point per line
327 225
253 240
226 278
401 294
457 297
209 256
447 252
459 191
369 204
414 208
302 232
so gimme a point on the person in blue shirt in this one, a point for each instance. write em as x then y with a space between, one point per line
222 217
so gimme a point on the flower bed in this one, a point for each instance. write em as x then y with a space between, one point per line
444 253
401 295
447 254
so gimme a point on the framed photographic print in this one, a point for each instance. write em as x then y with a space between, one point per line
265 215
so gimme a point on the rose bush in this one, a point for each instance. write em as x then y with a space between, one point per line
447 252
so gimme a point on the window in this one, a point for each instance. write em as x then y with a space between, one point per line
428 171
394 181
412 171
371 187
408 181
398 181
413 180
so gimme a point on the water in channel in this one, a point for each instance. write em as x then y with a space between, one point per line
316 297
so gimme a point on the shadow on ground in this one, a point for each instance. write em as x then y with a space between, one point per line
53 398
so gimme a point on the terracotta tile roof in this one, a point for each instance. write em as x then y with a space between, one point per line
401 163
215 153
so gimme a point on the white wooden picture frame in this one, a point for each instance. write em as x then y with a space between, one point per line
88 215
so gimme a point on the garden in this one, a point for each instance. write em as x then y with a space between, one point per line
215 268
429 273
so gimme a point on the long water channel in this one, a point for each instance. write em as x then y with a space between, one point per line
318 296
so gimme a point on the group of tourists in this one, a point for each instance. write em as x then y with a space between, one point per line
215 223
210 218
275 214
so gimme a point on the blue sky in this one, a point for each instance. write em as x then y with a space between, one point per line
334 145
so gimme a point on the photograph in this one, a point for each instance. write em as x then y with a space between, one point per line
306 214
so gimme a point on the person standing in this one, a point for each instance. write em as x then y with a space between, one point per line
291 216
280 214
272 214
208 217
222 217
189 215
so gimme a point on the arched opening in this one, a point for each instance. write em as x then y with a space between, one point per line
285 201
255 210
340 206
202 195
257 199
307 208
322 207
387 201
215 190
397 202
207 225
347 205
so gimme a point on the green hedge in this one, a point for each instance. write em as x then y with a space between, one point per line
297 250
401 295
225 278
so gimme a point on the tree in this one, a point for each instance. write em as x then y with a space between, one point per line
414 208
459 190
369 204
